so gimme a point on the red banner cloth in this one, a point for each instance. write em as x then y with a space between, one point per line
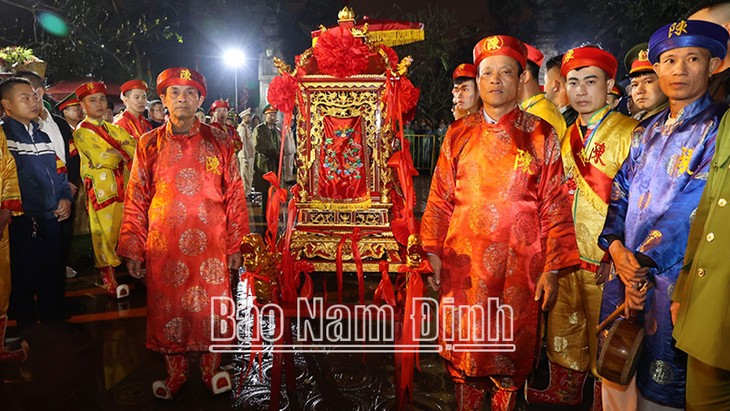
342 169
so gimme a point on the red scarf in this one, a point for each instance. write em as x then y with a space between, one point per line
599 182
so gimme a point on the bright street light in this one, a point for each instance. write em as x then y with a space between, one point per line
234 59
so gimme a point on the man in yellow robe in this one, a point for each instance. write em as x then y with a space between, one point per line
532 100
106 156
9 203
593 150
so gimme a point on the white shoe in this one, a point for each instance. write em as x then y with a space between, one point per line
71 273
221 382
122 291
160 390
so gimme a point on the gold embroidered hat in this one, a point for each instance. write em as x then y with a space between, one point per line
500 45
181 76
689 33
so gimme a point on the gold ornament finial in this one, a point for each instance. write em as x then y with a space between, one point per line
360 32
281 66
346 14
402 67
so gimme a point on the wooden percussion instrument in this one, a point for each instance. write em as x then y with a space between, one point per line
619 355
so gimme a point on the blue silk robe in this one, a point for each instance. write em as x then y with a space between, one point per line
653 200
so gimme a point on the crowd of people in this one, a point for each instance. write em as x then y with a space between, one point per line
562 197
177 223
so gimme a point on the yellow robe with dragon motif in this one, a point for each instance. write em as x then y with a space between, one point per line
571 339
105 171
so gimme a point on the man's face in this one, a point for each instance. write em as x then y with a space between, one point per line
73 113
498 81
465 95
246 119
554 85
22 103
588 89
95 105
685 72
219 114
157 112
645 91
109 115
270 118
181 101
135 101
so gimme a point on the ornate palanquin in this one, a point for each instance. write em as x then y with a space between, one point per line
349 94
328 211
351 208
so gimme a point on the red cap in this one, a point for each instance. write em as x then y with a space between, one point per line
642 63
180 76
616 91
134 84
534 55
464 70
589 56
218 104
500 46
89 88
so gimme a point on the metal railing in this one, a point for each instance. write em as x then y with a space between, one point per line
425 149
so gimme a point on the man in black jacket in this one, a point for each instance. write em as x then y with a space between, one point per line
46 201
61 136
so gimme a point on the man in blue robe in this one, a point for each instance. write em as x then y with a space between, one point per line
654 197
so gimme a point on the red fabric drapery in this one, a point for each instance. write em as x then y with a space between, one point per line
342 159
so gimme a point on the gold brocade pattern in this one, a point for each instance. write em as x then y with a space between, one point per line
213 271
188 182
195 299
571 320
652 240
644 200
177 330
589 210
192 242
680 164
175 272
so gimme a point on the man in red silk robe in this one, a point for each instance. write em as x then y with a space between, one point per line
184 216
497 225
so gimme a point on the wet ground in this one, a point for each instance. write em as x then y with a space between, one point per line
97 361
